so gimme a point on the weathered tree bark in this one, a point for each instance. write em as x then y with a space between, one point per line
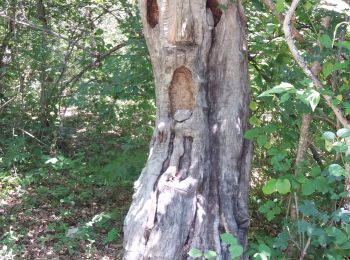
195 184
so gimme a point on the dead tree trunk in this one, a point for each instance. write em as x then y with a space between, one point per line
195 184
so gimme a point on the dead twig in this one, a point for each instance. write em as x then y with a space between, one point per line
303 254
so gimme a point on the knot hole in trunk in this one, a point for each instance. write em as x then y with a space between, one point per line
152 13
182 94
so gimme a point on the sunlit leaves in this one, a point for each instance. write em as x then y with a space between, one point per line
328 136
210 254
280 5
336 170
339 147
281 186
195 252
343 133
283 87
270 187
313 99
253 106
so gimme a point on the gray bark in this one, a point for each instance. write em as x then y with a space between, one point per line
195 183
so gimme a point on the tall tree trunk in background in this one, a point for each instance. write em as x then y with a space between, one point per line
195 184
6 48
44 75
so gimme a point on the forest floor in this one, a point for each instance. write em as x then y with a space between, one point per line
62 217
70 205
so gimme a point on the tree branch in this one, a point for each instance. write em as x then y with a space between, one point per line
280 17
45 30
303 254
94 63
258 69
301 62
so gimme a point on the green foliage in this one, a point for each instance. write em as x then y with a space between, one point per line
284 94
77 114
196 253
235 249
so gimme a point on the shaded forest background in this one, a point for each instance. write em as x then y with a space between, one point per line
77 111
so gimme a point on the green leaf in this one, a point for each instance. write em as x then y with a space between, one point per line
322 184
327 69
283 186
261 140
285 97
267 206
210 254
283 87
280 6
345 45
195 252
270 27
308 6
253 106
336 170
271 214
236 250
264 249
343 133
340 65
328 145
308 187
326 41
308 208
329 136
315 171
340 237
270 187
252 133
229 239
111 236
339 147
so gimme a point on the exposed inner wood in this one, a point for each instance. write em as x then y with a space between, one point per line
213 5
178 22
182 90
152 13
